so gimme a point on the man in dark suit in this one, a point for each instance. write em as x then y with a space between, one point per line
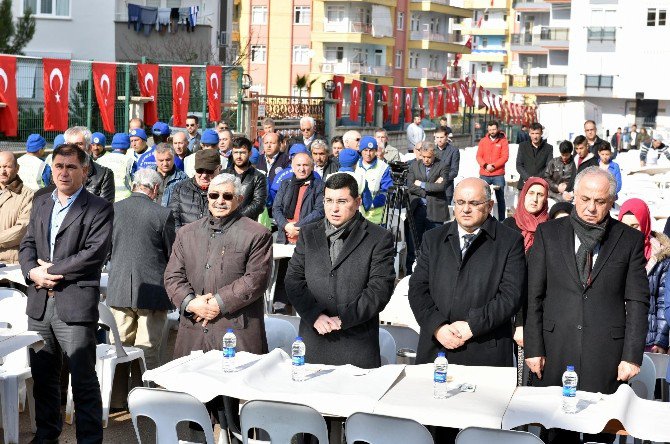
468 284
339 279
308 131
533 155
450 156
61 257
427 181
588 295
141 246
272 161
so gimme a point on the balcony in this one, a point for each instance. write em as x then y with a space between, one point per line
485 4
601 39
548 38
541 85
355 69
441 6
493 56
489 80
532 6
389 3
499 28
435 37
351 32
453 73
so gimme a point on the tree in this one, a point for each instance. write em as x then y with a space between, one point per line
14 37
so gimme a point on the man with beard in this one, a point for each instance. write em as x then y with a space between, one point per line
254 186
324 163
16 201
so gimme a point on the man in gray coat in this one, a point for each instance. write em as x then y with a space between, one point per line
339 279
141 245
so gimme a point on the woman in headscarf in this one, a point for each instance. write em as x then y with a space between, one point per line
635 213
533 209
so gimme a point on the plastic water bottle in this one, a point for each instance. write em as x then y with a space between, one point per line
570 390
298 359
229 343
440 376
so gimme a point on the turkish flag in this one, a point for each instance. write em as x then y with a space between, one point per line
369 103
181 85
9 120
104 79
453 102
214 92
465 90
408 106
56 93
355 95
440 101
395 110
147 76
480 99
488 99
338 94
419 95
385 101
431 103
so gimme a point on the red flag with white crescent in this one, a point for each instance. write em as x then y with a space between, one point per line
395 107
338 94
408 105
369 103
431 103
453 101
147 77
440 101
104 79
419 95
480 98
56 93
355 99
385 101
214 87
9 115
181 83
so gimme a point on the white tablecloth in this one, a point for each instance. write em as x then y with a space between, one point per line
332 390
412 396
642 419
398 311
12 340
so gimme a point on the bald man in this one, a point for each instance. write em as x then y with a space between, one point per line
468 283
351 139
16 201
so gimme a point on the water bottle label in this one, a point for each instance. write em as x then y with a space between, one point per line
229 352
298 360
439 377
569 392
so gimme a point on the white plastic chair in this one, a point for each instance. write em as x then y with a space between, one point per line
108 356
280 334
294 320
167 409
661 363
644 383
387 347
282 421
479 435
16 383
171 323
379 429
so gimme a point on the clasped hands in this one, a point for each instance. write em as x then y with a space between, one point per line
625 371
325 324
42 278
204 308
291 230
454 335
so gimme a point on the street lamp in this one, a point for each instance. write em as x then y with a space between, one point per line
247 81
329 87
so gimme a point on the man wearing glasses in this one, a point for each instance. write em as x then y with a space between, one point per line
339 279
192 125
188 200
308 131
468 283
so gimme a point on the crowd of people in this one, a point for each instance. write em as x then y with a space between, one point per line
185 221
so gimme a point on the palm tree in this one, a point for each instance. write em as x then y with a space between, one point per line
301 83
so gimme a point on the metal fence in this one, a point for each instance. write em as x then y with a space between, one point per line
83 106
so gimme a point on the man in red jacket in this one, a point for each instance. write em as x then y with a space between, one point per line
492 155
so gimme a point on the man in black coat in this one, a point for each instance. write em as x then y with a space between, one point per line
533 155
468 284
141 245
100 179
339 279
588 295
592 139
254 184
61 257
272 161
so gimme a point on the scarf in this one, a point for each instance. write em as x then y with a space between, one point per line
589 235
337 235
640 210
527 221
296 184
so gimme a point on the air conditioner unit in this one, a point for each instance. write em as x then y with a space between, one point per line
328 67
506 71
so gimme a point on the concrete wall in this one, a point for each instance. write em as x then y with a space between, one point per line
187 47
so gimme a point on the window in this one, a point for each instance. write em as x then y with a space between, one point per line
661 17
413 60
415 24
651 17
398 59
54 8
504 17
335 13
598 82
259 15
400 22
486 16
258 53
485 42
301 54
483 69
302 15
173 4
334 54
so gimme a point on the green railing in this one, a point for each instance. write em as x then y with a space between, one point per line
83 107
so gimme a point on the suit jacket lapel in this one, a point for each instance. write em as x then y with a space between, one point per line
567 242
434 169
355 237
45 222
454 241
321 242
606 248
75 211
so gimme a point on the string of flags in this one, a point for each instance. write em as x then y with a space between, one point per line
56 85
442 99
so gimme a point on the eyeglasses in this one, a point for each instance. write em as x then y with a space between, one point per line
305 129
215 195
339 202
204 171
471 203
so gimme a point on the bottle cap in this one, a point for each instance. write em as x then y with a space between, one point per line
298 338
440 355
571 368
230 330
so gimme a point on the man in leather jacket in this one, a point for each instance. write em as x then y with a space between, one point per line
254 185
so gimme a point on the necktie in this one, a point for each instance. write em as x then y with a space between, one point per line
467 241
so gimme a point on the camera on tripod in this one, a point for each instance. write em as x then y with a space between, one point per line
399 172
